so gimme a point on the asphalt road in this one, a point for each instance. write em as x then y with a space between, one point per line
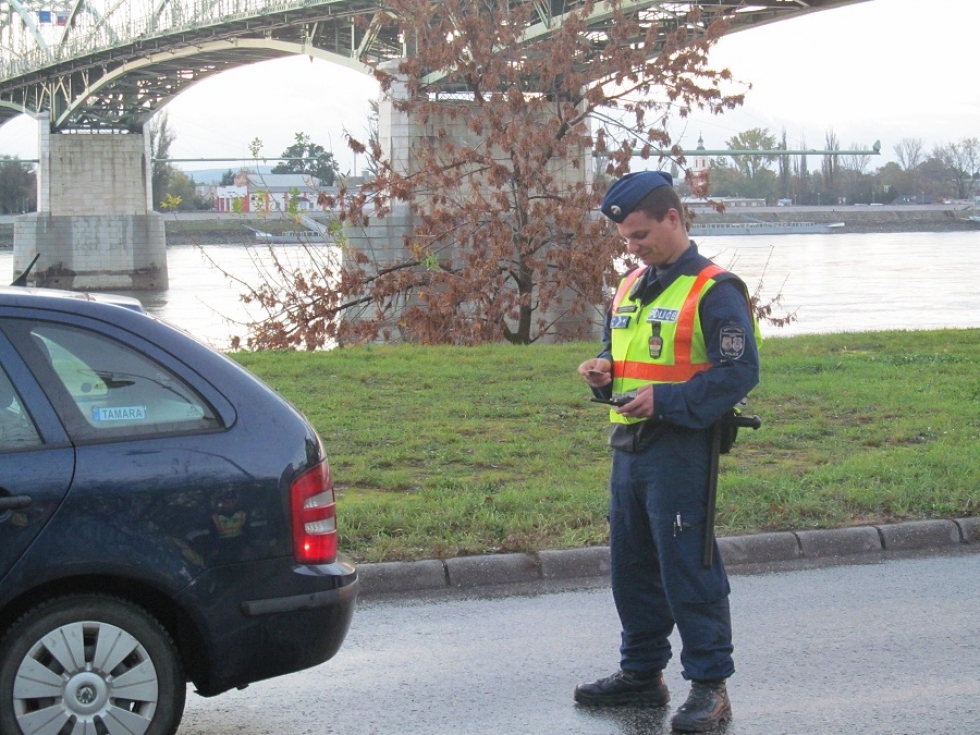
887 645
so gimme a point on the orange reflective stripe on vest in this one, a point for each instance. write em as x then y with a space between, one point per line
626 285
657 373
685 321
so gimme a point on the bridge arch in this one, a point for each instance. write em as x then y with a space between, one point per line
18 109
244 48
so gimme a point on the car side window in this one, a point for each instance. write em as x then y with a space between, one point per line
118 391
17 430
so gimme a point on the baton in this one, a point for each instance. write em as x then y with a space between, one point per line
749 422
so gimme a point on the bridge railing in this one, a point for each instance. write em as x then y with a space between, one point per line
172 18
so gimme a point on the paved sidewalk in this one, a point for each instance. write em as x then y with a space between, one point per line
470 572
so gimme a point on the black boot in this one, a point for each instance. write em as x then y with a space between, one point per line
625 687
706 708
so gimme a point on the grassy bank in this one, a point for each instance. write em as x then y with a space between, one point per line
440 452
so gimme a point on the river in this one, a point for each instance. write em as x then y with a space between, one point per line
861 282
832 283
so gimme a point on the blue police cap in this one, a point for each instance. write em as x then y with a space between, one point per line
625 194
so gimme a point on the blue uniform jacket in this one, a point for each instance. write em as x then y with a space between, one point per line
702 400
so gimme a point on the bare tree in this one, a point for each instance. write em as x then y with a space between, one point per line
373 138
505 241
857 162
853 167
970 150
801 169
909 152
830 167
785 168
962 160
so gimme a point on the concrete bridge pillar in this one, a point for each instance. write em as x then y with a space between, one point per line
95 228
400 136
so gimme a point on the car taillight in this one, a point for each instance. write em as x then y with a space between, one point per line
314 517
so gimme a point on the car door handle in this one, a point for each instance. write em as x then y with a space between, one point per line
15 502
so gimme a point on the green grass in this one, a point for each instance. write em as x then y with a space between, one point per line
443 451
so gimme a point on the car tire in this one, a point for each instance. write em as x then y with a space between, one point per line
92 663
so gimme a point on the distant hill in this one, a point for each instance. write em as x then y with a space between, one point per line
213 175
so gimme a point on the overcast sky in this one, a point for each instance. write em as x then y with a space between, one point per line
877 70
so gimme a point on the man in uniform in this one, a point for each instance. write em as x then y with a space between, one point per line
682 343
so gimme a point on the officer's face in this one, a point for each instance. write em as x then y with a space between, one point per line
653 243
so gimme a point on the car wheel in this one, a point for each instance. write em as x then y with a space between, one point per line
90 663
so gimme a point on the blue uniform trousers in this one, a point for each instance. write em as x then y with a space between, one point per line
657 577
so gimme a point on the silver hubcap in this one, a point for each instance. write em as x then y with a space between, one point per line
86 693
89 676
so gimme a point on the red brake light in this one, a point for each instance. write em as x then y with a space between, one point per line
314 516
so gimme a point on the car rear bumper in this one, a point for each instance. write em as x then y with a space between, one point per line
269 618
327 598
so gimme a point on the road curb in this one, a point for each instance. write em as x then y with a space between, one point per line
393 577
479 571
760 548
469 572
916 535
591 561
839 541
969 529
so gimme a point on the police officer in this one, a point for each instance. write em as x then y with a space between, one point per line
681 338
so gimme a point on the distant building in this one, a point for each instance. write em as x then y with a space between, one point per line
205 192
700 163
697 172
269 193
225 198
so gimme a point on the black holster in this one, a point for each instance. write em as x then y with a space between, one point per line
729 431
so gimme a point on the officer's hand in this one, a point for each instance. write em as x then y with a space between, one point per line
640 407
597 372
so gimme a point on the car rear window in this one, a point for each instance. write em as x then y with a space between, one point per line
17 431
117 390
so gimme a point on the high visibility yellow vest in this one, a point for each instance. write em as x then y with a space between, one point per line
661 342
229 526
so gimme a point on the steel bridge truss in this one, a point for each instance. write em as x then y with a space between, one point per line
109 65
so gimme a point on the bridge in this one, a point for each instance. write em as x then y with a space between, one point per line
82 67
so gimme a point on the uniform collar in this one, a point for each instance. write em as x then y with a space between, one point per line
667 275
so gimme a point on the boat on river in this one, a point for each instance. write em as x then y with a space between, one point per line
290 237
315 233
759 227
972 214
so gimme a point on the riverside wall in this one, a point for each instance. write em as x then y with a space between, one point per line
208 228
861 218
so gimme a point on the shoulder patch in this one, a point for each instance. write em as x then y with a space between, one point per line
732 342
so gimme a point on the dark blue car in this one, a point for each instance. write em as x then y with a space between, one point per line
165 517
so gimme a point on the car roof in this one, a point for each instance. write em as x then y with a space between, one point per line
27 296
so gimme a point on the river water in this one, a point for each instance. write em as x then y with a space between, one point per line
833 283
